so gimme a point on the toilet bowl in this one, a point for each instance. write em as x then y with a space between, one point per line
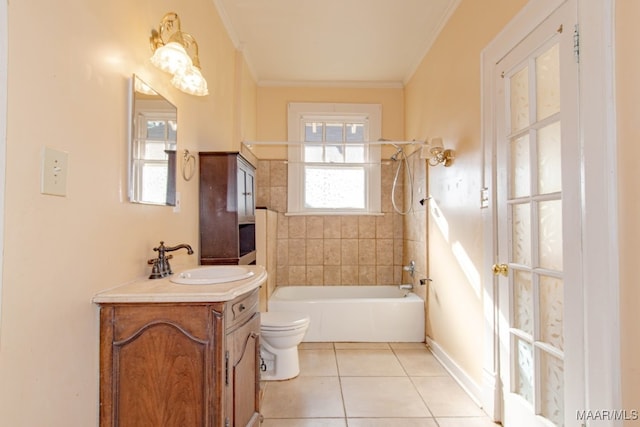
280 334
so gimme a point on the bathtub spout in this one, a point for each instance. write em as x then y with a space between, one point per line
406 286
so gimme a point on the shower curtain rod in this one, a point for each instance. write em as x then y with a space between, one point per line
380 142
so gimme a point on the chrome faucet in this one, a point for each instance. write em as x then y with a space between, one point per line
161 267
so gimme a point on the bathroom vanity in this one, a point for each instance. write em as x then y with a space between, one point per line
180 355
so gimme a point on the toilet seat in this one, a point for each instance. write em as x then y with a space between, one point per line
283 321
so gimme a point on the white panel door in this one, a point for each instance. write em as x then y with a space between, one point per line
538 213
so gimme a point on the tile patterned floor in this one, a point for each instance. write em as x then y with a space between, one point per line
369 385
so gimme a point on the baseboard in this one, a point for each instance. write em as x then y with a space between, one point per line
462 378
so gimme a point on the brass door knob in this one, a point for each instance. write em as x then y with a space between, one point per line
500 269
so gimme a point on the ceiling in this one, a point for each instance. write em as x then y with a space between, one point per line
337 42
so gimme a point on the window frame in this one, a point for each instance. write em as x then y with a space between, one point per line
301 113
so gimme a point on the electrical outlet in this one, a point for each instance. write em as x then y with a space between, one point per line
54 172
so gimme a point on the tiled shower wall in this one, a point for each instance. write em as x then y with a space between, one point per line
340 249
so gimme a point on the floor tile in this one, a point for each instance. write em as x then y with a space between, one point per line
419 362
317 363
392 422
466 422
388 397
304 422
361 345
445 398
315 346
303 397
374 363
405 345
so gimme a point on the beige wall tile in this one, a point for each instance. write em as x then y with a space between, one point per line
278 197
384 275
332 275
282 276
297 252
384 252
315 251
367 227
349 227
282 252
332 251
297 227
298 275
366 252
283 226
366 275
349 252
315 227
278 173
315 275
349 274
384 226
332 227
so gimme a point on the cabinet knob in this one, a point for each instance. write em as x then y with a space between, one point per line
242 307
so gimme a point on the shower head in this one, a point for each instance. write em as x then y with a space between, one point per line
395 155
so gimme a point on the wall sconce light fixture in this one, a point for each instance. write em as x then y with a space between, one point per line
436 154
176 53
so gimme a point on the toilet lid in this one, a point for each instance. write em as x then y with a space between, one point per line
283 319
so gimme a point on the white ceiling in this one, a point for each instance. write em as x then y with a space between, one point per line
350 42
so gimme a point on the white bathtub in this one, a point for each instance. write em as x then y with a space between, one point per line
354 313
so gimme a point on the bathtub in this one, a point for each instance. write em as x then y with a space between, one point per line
354 313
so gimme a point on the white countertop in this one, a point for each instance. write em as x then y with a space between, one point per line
165 291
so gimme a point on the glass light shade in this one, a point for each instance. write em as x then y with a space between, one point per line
436 144
171 58
190 81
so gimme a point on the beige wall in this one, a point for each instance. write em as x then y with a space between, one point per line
443 99
69 69
272 104
628 116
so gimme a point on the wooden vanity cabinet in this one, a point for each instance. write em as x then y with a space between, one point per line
180 364
227 209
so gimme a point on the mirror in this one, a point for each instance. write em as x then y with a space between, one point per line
152 146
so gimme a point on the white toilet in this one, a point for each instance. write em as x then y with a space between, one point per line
280 334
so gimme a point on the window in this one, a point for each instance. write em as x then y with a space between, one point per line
152 146
333 169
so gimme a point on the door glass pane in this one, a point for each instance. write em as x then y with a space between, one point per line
521 218
519 89
523 369
523 301
548 82
520 173
551 304
552 391
550 234
549 159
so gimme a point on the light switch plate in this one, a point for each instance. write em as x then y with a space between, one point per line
54 172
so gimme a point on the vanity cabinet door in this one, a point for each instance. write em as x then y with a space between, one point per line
243 385
157 365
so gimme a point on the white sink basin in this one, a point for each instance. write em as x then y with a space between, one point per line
211 275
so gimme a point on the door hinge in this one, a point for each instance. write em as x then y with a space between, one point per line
226 368
576 43
227 423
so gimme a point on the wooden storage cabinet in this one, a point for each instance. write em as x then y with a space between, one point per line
227 209
180 364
